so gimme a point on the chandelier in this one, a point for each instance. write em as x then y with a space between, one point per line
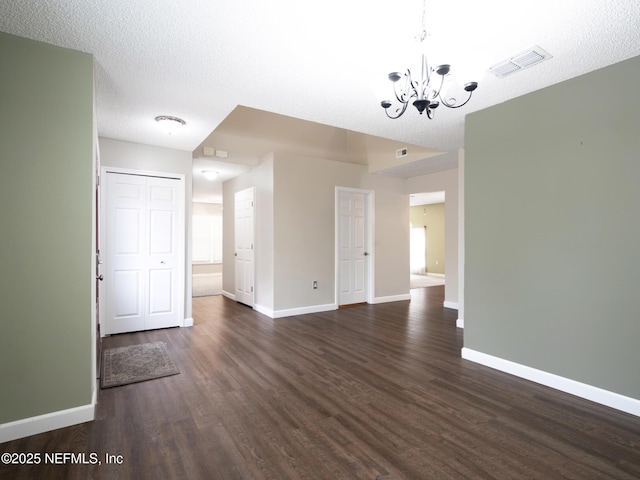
425 92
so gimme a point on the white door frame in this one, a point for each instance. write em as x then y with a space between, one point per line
369 231
181 234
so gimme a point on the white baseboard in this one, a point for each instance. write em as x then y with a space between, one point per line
582 390
228 295
45 423
448 304
263 310
392 298
289 312
187 322
460 323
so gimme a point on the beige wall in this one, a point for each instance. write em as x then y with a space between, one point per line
433 218
295 230
446 181
135 156
47 282
260 178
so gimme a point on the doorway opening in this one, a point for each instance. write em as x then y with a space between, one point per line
427 239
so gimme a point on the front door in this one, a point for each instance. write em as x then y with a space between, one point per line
244 240
143 252
353 246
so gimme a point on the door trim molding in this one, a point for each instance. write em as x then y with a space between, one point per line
370 217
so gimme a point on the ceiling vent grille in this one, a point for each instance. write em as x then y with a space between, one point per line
518 62
402 152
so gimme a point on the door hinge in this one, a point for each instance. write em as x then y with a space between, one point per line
252 246
252 289
98 180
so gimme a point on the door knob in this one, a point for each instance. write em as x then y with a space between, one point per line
101 277
366 254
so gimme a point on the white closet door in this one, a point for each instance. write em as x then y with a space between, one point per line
144 252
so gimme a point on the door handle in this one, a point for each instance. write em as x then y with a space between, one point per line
366 254
101 277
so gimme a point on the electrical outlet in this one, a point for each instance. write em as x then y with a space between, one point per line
314 285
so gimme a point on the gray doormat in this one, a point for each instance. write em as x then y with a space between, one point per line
136 363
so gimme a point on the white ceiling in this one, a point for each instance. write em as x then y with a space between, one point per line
199 59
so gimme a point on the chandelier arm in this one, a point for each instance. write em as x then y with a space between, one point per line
450 105
393 117
459 105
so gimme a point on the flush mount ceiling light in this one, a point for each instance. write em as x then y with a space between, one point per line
426 90
210 174
170 124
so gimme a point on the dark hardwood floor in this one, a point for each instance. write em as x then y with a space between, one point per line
369 392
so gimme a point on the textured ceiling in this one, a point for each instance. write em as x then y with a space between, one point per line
199 59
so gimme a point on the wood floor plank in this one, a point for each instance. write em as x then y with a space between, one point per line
369 392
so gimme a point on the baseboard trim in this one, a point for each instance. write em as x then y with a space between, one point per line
460 323
229 295
289 312
45 423
392 298
263 310
448 304
187 322
582 390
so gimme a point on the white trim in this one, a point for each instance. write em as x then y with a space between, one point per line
460 322
582 390
45 423
392 298
263 310
187 322
449 304
229 295
289 312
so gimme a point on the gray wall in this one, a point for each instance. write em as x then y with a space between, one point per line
552 205
46 254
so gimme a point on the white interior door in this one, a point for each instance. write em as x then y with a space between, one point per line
353 247
143 252
244 242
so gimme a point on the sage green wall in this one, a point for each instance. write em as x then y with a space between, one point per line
552 205
432 217
46 254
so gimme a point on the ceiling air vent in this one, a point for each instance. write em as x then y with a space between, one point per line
519 62
402 152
